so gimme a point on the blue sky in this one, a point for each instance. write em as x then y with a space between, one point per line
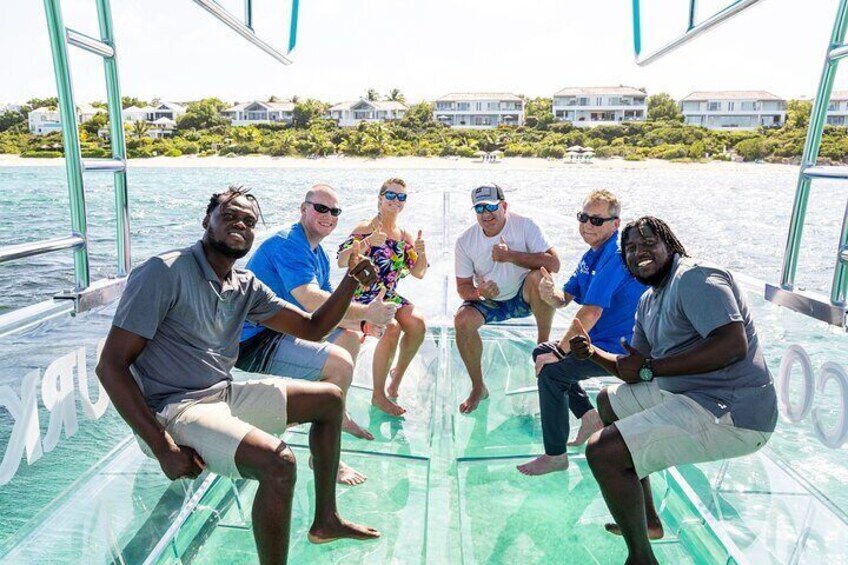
174 50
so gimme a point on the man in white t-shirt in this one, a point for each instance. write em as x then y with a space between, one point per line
497 275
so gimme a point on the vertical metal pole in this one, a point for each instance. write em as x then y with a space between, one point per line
248 14
692 9
118 142
839 290
811 150
70 134
637 28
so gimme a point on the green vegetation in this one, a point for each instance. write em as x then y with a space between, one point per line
202 131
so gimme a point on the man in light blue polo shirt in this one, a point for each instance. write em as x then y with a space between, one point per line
608 295
295 266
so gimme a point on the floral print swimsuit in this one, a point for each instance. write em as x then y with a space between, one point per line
393 260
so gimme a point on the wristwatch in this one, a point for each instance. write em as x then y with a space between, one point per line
646 373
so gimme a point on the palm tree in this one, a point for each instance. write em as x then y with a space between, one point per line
372 95
140 129
395 95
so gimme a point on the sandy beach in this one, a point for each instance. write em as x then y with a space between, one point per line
405 163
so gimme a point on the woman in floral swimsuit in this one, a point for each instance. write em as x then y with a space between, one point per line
396 255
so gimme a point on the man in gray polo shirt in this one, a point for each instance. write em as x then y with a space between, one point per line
696 386
166 367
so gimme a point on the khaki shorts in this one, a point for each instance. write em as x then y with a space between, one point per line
215 425
663 429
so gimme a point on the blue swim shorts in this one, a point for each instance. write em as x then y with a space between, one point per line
498 311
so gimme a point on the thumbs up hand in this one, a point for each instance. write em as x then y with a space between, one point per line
501 252
380 312
419 244
629 364
377 237
360 268
547 291
580 344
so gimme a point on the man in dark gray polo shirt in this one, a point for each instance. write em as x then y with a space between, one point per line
166 366
696 386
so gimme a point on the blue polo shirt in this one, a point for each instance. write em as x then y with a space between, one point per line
601 279
286 261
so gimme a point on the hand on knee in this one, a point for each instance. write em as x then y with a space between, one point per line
543 348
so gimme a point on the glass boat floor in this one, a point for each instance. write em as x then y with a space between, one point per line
442 486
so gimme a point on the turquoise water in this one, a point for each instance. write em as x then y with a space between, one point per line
442 486
736 216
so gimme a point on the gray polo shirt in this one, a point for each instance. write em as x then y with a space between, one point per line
695 299
192 323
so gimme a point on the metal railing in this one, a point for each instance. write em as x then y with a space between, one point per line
75 166
833 311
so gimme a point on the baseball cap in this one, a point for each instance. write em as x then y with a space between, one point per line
487 194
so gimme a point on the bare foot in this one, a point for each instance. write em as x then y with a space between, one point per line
589 424
394 384
387 406
347 475
544 464
354 429
339 528
655 530
474 398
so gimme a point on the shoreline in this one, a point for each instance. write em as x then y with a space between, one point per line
402 163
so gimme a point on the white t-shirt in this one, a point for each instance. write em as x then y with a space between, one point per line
474 253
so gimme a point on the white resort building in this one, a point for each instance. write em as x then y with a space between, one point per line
348 114
170 110
600 105
135 114
46 120
733 109
259 112
479 110
837 110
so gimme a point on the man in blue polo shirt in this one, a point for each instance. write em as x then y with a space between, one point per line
295 266
608 295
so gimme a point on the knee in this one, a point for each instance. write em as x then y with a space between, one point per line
466 321
416 327
392 332
338 369
279 469
543 348
349 341
605 408
533 279
597 453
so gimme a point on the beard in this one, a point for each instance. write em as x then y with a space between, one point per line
656 279
225 249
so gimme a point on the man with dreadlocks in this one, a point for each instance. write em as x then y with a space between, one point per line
696 386
166 367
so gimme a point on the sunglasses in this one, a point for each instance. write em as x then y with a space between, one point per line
322 209
480 208
391 195
597 221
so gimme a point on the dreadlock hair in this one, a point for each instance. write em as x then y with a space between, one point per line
232 193
660 228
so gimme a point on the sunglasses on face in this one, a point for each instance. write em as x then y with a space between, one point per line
480 208
322 209
597 221
391 195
